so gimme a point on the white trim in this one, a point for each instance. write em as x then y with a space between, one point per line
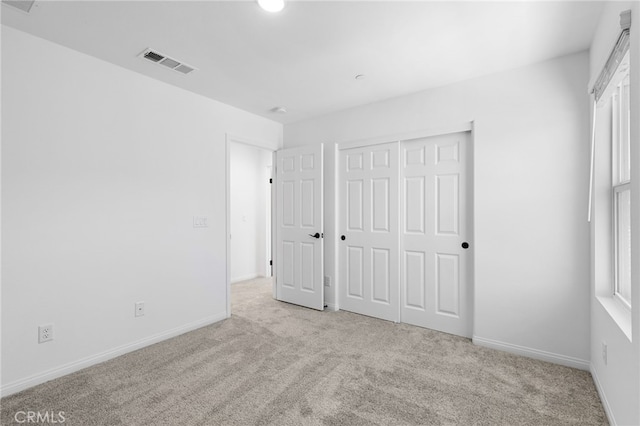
336 230
227 202
619 313
80 364
592 161
434 131
471 152
231 137
322 227
244 278
532 353
399 235
268 261
274 227
603 397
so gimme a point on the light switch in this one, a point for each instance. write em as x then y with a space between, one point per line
200 222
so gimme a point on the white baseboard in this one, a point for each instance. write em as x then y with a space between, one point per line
80 364
533 353
244 278
332 307
603 397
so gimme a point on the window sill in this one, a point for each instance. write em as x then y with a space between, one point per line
620 314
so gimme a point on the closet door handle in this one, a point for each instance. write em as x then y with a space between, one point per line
465 245
342 237
316 235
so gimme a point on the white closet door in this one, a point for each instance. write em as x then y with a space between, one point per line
368 215
299 248
435 266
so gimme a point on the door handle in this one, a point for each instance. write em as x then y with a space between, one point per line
343 237
465 245
316 235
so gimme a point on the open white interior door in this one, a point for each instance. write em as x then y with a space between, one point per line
299 226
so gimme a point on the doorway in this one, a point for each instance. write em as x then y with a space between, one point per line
250 211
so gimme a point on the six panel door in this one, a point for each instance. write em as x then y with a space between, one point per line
368 245
404 221
434 229
299 242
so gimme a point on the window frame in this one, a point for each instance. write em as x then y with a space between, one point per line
620 179
617 190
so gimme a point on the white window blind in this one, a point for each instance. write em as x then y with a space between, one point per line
608 72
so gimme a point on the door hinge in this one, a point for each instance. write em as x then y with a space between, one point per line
271 263
270 180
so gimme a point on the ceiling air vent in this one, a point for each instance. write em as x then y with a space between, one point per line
153 56
168 62
185 69
23 5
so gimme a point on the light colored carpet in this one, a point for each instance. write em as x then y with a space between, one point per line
275 363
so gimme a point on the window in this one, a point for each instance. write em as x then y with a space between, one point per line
621 185
610 183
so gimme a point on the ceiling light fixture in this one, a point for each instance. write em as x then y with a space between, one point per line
272 6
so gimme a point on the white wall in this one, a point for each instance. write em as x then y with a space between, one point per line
250 206
618 381
103 170
531 178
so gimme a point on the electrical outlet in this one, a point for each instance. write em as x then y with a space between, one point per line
139 309
604 353
327 281
45 333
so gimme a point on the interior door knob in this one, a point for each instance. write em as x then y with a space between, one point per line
342 237
465 245
316 235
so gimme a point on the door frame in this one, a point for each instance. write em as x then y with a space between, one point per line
229 138
468 126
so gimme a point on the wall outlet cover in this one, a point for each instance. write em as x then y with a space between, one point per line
45 333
